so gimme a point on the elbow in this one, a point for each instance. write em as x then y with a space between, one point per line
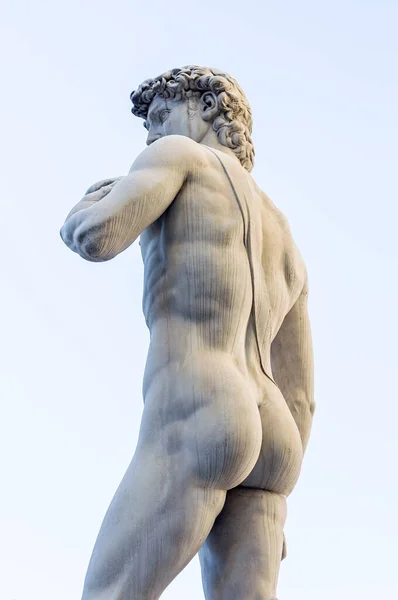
306 424
91 249
312 406
88 242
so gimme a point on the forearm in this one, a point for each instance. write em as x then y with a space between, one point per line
294 375
302 406
293 365
99 230
74 233
78 231
84 203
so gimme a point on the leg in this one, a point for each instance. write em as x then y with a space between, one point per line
241 556
156 523
199 437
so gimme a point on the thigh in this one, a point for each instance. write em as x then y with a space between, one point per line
279 462
242 553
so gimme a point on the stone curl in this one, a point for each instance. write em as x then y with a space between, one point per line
233 121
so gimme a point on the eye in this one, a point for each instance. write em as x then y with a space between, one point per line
146 125
163 115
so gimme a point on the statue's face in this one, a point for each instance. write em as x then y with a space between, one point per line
175 117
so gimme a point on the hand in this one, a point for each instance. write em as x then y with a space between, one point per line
94 194
105 183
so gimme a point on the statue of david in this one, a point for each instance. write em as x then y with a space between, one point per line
228 384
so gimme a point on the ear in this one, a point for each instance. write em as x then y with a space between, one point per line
208 106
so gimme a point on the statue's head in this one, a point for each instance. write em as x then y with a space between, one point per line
189 101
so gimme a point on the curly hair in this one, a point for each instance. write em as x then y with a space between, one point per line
233 122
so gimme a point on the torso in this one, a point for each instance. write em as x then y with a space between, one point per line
198 271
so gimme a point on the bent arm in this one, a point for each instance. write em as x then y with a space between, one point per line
94 194
107 227
293 367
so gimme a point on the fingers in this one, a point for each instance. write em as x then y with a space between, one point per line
98 194
104 183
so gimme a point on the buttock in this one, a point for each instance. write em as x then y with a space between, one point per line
279 463
203 413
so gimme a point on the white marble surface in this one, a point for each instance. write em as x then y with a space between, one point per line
228 385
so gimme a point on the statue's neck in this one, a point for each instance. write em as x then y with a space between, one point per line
210 139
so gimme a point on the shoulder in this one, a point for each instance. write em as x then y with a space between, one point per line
279 218
294 266
172 151
276 214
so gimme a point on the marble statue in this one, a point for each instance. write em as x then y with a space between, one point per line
228 383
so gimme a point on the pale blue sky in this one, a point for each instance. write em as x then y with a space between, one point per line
322 81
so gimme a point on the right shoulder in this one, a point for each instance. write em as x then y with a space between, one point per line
294 262
278 216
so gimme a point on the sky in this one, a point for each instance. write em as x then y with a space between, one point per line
321 78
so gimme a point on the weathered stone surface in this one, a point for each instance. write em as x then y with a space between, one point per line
228 386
